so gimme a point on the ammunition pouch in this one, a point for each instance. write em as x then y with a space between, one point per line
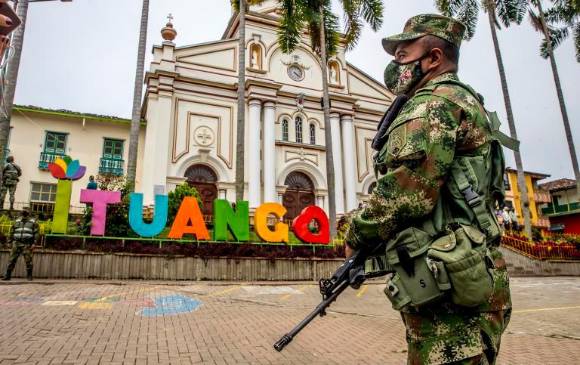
455 265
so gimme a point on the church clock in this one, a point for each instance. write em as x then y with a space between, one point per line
296 73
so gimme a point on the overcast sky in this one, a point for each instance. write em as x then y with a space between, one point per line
81 56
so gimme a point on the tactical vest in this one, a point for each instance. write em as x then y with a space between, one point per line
10 174
448 253
24 231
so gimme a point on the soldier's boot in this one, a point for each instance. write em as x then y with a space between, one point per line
29 274
7 276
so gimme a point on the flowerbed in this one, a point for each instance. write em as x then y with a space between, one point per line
545 249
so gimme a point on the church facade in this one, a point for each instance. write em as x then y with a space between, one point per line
189 129
191 107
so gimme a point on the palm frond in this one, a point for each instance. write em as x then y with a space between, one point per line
291 24
511 11
372 13
535 21
557 36
466 11
236 3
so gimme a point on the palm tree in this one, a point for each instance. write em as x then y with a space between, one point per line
11 79
137 96
564 18
322 24
553 37
506 12
241 6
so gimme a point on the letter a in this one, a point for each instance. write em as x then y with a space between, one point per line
189 212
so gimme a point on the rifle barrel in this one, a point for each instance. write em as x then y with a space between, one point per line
287 338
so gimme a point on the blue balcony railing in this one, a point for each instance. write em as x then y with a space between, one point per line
46 158
111 166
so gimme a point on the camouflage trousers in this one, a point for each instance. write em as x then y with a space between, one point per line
454 338
11 189
18 249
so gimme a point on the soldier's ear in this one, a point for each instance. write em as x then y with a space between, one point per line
435 59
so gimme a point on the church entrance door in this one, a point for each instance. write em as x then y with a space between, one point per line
204 180
298 195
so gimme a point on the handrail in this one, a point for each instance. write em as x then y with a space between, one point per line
541 251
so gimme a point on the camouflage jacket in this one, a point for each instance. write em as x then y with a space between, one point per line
442 121
11 173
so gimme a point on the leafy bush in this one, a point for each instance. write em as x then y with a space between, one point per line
176 197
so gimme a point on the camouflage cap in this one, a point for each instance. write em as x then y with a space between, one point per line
427 24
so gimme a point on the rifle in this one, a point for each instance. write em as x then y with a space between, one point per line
350 273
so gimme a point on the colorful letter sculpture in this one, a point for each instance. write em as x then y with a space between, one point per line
136 215
189 220
237 221
65 170
301 224
99 199
280 232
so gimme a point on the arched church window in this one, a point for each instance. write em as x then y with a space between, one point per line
285 130
256 56
312 133
298 130
334 73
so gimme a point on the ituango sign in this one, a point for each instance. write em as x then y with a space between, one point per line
189 219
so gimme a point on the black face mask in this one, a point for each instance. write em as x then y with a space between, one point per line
400 78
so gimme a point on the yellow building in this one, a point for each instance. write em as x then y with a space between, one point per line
536 196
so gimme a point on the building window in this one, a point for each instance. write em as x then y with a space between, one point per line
112 160
256 57
54 146
333 73
42 198
506 182
312 133
285 130
298 130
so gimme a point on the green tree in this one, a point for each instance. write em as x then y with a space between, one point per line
568 14
499 12
137 96
317 17
176 197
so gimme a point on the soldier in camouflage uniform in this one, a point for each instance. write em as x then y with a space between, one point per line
10 178
443 121
24 233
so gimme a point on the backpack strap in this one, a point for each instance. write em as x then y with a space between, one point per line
461 174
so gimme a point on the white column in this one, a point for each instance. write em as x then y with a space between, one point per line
269 152
253 148
349 162
156 149
337 159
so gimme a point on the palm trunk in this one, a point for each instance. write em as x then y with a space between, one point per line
241 126
563 110
137 96
11 80
327 134
508 106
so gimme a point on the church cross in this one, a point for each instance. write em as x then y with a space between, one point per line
204 136
170 17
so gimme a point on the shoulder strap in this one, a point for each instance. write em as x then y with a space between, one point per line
493 119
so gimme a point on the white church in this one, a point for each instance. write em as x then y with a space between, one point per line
189 129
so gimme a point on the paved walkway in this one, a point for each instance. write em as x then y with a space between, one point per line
91 322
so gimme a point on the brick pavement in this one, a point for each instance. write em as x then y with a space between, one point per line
66 322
